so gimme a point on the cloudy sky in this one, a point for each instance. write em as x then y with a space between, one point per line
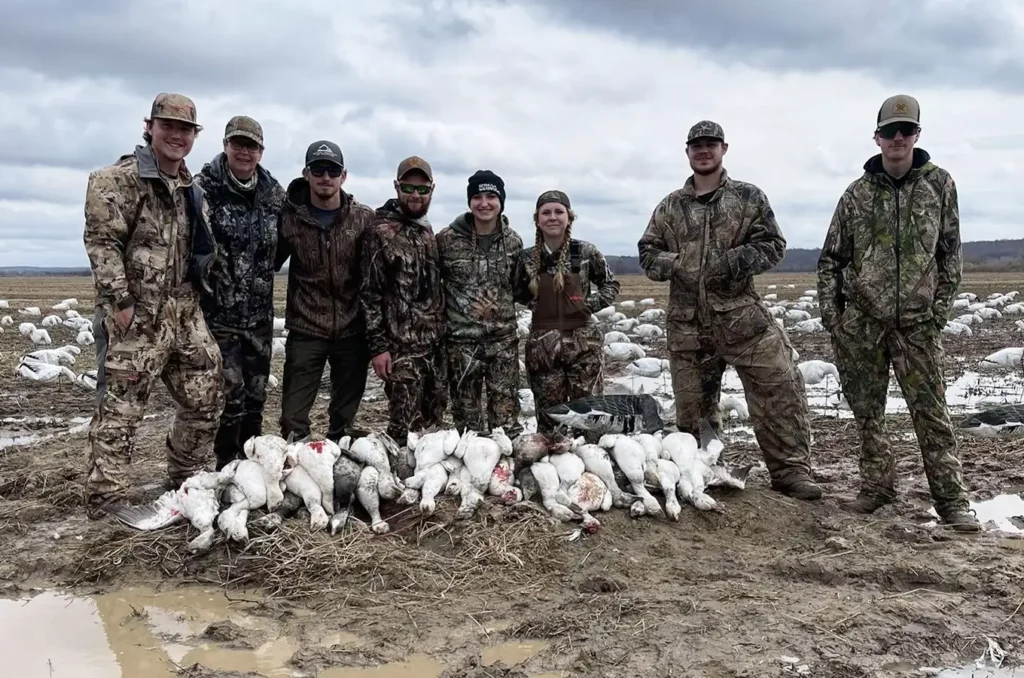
590 96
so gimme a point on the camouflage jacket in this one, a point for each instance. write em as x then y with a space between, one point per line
478 283
325 270
245 228
142 244
710 251
893 252
597 282
402 295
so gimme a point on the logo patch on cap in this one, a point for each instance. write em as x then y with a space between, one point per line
324 149
901 107
487 188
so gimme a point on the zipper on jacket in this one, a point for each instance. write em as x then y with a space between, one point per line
898 305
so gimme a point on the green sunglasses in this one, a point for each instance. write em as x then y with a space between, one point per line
409 189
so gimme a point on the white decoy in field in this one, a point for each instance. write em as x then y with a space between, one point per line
806 300
40 337
976 306
278 346
1005 358
626 325
52 321
796 315
1013 309
624 351
31 311
960 304
87 380
648 367
809 326
969 319
628 304
26 329
53 356
815 371
527 404
969 296
43 372
647 302
730 403
652 315
648 331
72 314
1019 325
7 321
772 287
4 303
956 328
614 337
771 297
278 324
606 312
85 338
989 313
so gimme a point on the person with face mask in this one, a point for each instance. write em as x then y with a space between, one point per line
404 303
244 201
478 254
709 239
565 281
152 254
888 272
320 234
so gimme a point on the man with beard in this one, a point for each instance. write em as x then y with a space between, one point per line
244 201
479 251
404 303
888 272
321 231
152 253
709 239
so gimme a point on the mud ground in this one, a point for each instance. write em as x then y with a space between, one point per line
738 593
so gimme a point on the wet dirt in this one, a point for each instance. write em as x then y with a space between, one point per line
737 593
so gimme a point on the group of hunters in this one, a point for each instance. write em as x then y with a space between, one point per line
184 269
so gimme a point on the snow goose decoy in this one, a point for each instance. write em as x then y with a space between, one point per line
615 337
1002 421
647 302
648 331
606 312
815 371
43 372
953 327
1007 357
652 315
624 351
30 311
619 413
196 501
648 367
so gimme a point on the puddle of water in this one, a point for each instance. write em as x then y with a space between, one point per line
268 660
973 671
416 666
512 654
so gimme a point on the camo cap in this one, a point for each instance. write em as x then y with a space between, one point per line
174 107
705 129
553 196
244 126
415 162
899 108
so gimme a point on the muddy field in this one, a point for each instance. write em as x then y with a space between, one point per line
768 587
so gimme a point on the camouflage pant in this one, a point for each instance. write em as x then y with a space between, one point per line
864 350
470 367
749 340
417 392
563 366
175 347
246 356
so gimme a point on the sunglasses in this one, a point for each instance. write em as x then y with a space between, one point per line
409 189
318 170
907 129
240 143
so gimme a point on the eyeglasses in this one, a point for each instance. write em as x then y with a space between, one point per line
240 143
318 170
907 129
409 189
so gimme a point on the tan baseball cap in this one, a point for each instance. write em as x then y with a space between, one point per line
172 106
899 108
415 163
244 126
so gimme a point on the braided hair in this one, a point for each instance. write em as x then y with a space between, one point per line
533 268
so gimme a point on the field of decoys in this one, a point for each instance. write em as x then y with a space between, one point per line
597 551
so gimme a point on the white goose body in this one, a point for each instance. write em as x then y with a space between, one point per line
1007 357
44 372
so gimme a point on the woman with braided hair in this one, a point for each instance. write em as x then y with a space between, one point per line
564 281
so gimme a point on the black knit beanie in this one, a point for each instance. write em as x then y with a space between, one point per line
486 181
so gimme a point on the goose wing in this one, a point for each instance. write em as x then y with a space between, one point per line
148 517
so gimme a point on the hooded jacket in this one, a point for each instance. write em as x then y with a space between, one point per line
244 226
478 283
401 290
324 273
146 238
893 248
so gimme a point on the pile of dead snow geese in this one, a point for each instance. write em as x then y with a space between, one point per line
571 479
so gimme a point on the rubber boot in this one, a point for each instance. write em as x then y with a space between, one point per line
227 446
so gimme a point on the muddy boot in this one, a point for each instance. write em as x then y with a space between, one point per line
866 502
226 446
961 520
798 488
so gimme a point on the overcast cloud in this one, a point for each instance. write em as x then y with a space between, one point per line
590 96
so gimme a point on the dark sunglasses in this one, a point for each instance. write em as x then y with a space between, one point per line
409 189
907 129
239 143
318 170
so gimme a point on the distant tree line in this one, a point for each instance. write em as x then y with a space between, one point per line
991 256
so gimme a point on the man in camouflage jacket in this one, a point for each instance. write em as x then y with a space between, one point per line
321 232
888 272
709 239
152 252
244 200
404 304
478 254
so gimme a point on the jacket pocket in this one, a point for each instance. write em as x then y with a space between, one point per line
683 330
736 324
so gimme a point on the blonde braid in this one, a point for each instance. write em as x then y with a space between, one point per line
563 259
533 268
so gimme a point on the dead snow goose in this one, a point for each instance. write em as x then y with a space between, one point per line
596 460
370 450
620 413
529 447
346 480
502 484
615 337
553 498
245 489
368 493
479 457
630 457
1002 421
